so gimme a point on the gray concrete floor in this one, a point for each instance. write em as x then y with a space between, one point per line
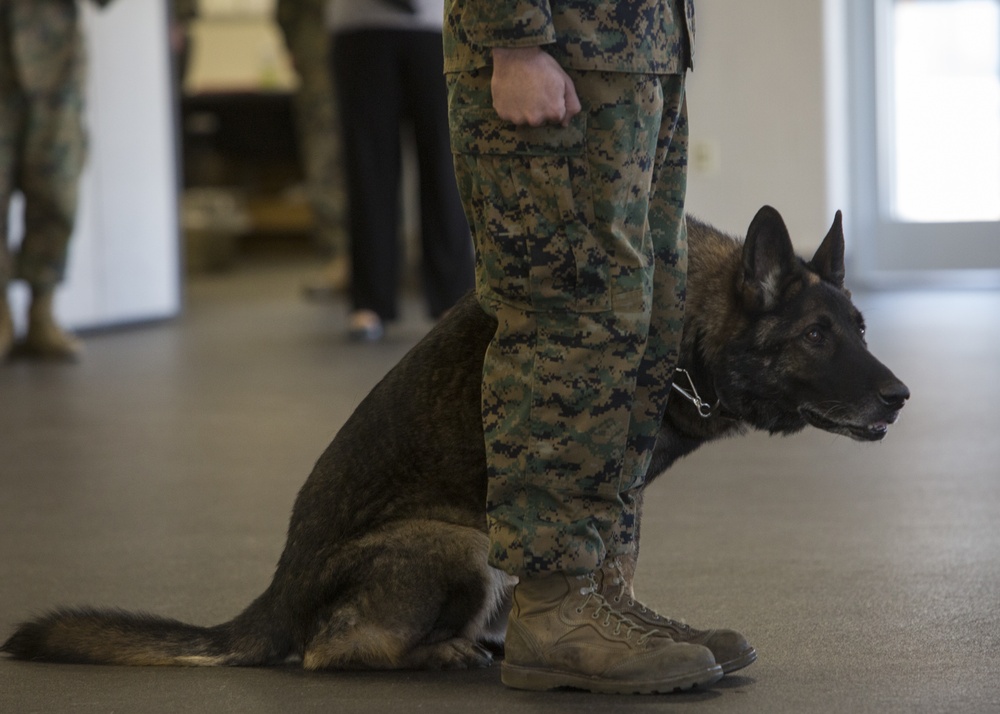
158 474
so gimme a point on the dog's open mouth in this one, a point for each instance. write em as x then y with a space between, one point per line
870 431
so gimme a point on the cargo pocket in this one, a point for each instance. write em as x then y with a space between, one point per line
531 212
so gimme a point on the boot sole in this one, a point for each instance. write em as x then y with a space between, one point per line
536 679
744 660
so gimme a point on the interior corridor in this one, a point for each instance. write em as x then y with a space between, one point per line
158 474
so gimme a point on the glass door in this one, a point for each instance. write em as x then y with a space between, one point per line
928 154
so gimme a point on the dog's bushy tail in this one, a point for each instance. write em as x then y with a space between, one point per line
106 636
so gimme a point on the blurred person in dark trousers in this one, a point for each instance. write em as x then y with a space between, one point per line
388 71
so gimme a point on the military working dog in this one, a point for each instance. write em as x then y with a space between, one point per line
385 565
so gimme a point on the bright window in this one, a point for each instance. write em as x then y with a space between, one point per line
944 122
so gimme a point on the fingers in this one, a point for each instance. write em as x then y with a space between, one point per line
571 102
530 88
558 105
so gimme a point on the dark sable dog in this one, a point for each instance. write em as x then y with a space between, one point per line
385 564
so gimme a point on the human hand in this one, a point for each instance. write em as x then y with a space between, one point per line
529 87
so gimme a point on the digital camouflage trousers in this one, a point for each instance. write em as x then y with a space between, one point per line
581 255
42 140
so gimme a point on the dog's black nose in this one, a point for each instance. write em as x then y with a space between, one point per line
894 395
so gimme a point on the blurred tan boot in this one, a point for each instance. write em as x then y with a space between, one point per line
45 339
333 280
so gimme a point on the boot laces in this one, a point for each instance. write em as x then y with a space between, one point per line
589 590
622 596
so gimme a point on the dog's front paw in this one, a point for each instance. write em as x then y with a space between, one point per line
456 653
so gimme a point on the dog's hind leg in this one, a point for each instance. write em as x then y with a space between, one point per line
421 596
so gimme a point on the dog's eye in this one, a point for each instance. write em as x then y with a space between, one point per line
815 335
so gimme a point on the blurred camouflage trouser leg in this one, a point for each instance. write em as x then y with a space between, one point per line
319 133
568 250
42 141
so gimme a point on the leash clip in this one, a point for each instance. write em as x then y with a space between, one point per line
704 408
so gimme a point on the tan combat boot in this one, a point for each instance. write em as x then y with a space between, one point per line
45 339
730 649
562 633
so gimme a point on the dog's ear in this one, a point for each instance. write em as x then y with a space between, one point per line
768 258
828 262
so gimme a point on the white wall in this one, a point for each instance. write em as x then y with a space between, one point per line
758 103
124 253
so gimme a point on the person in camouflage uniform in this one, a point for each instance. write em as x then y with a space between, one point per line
303 25
569 129
42 151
